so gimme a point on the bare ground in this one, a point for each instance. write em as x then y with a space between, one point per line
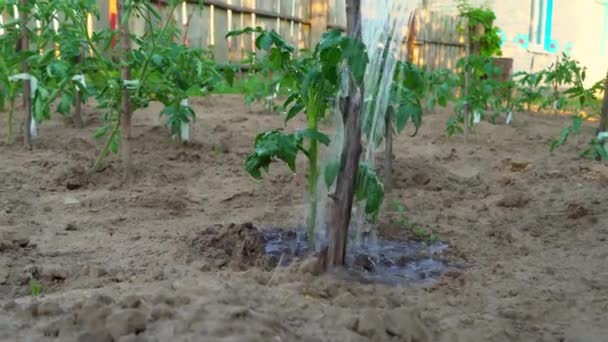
136 262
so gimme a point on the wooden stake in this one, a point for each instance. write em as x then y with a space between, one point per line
125 118
467 80
340 210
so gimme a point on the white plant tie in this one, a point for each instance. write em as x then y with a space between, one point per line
476 117
16 14
1 24
509 117
26 77
80 79
33 88
555 105
131 84
602 136
184 132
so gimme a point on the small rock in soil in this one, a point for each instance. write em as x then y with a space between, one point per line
132 338
97 336
370 323
131 302
421 179
519 166
53 272
514 200
364 262
4 274
71 227
23 242
125 322
407 325
49 309
576 211
92 317
73 185
162 312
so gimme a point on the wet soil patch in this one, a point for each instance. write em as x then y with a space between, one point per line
235 246
372 260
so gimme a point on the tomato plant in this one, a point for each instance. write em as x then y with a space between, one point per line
483 92
312 82
161 70
10 64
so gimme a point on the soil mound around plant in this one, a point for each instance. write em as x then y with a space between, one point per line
237 247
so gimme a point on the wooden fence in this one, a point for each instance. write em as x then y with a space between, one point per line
438 41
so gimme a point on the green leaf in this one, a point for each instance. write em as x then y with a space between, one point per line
577 122
369 189
294 110
65 104
563 137
114 143
264 41
355 53
101 131
35 287
601 151
235 33
271 145
314 135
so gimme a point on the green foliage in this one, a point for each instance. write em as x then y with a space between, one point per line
575 128
267 68
370 190
35 288
278 145
312 82
483 93
596 150
490 41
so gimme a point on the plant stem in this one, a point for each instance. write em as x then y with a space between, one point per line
106 147
312 190
388 158
11 112
312 116
143 74
125 117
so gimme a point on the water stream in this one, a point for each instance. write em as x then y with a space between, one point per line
384 26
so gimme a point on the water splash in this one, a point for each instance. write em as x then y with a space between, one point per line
380 261
384 26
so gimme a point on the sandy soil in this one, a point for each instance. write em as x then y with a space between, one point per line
527 229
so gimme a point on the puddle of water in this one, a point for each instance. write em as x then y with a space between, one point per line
397 263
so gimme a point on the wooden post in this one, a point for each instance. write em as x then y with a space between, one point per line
27 86
467 80
125 118
318 19
340 210
604 117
